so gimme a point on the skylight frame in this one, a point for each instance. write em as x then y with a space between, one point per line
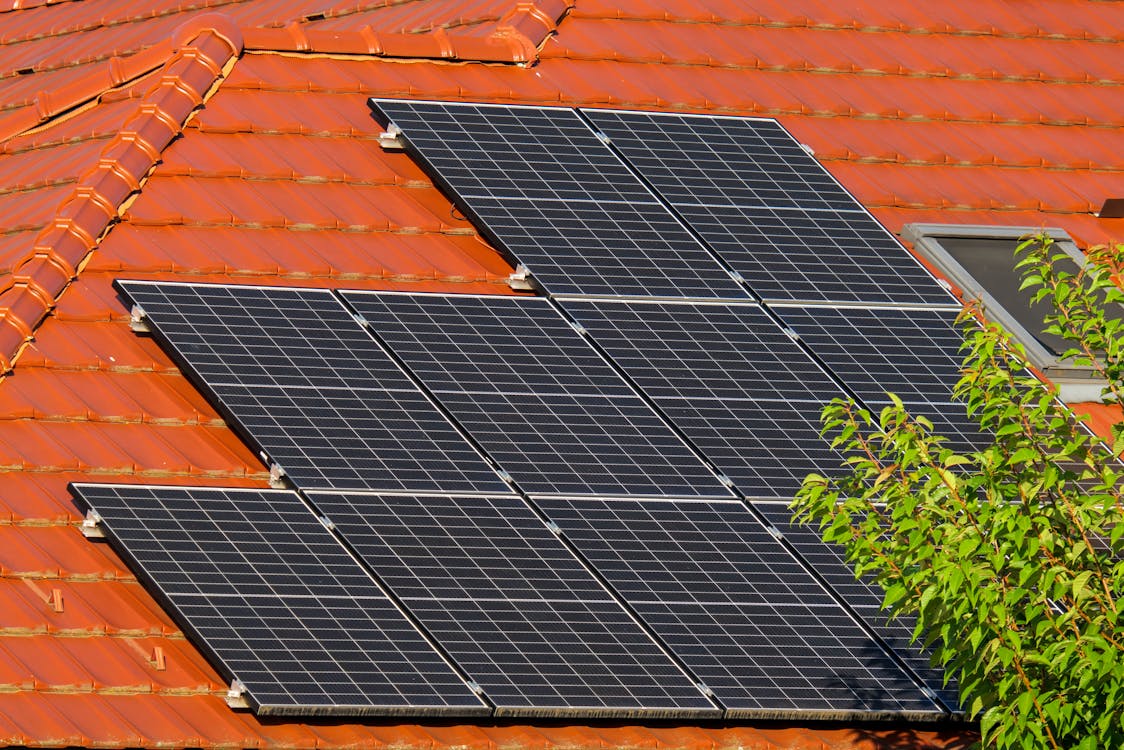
1076 383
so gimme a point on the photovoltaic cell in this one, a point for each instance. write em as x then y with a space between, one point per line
768 208
546 190
311 388
729 379
536 396
737 608
863 597
278 603
513 606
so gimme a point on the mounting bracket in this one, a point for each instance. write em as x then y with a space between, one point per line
138 320
521 280
391 139
277 477
236 695
91 525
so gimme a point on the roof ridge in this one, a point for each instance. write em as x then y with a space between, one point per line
203 46
516 38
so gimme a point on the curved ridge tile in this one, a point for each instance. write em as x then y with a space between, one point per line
39 278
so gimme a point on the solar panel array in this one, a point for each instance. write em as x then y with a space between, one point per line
311 388
614 569
769 209
547 191
539 400
277 602
513 606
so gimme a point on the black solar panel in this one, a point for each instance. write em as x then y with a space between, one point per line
513 606
737 608
546 190
555 417
538 153
729 379
700 159
864 597
311 388
913 353
766 448
768 208
605 249
709 351
280 606
823 256
479 343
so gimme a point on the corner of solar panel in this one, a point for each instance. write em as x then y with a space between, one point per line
551 505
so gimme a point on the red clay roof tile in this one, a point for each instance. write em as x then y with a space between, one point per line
77 608
47 552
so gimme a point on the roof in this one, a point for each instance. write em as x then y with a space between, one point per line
232 142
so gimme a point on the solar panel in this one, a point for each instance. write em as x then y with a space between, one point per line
709 351
766 448
913 353
263 588
547 191
513 606
729 379
760 632
768 208
306 384
863 597
536 396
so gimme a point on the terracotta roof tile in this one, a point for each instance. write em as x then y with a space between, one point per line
824 50
48 552
80 608
90 396
301 253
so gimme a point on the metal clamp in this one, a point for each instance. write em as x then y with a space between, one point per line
521 280
236 695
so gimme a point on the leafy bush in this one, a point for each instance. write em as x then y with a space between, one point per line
1010 556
